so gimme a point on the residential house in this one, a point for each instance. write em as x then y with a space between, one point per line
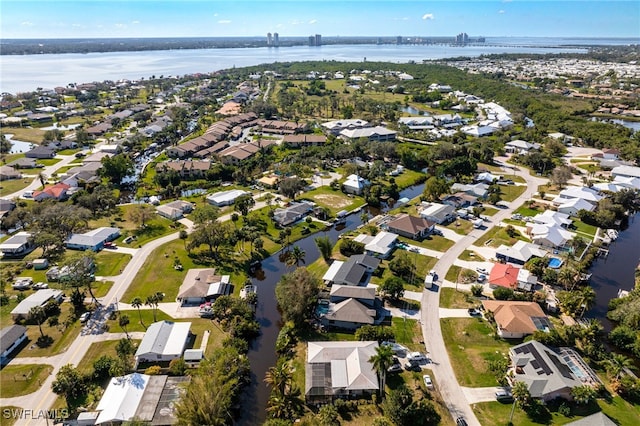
99 129
279 127
478 190
163 341
58 192
438 213
355 271
225 198
508 276
185 169
460 200
550 217
290 215
23 163
350 314
377 134
417 123
41 151
355 184
487 177
365 295
574 205
596 419
6 207
39 298
9 173
519 146
549 373
381 245
203 285
300 140
92 240
11 337
551 236
337 126
519 253
610 154
412 227
587 194
626 171
339 370
515 319
17 245
174 210
137 397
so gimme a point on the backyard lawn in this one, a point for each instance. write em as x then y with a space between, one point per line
335 201
432 242
18 380
456 299
10 186
111 263
497 236
61 338
471 344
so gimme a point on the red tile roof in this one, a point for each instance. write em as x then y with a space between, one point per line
504 275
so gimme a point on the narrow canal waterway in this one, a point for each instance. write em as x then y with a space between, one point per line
616 271
262 354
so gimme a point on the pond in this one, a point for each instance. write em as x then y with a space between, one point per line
412 110
17 146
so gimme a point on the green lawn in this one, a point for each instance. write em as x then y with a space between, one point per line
461 226
490 211
456 299
11 416
10 186
470 255
525 210
48 161
407 332
18 380
471 344
511 192
27 134
111 263
98 349
423 264
61 338
335 201
432 242
584 229
134 319
498 236
452 274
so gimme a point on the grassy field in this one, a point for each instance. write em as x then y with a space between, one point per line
423 264
27 134
461 226
498 236
407 333
134 319
471 344
48 161
489 211
61 338
584 229
433 242
511 192
335 201
96 350
10 414
18 380
456 299
470 255
10 186
452 273
111 263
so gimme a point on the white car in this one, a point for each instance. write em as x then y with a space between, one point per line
85 317
427 381
482 271
416 357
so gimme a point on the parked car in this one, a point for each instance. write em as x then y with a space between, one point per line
412 366
414 249
482 271
482 278
416 357
40 286
460 421
474 312
110 245
85 317
427 381
504 396
395 368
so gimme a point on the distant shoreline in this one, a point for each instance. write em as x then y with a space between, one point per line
103 45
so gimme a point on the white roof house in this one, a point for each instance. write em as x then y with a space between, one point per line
377 133
520 252
92 240
587 194
627 181
120 400
333 270
438 213
39 298
550 235
163 341
626 171
574 205
521 146
338 125
381 245
17 245
339 369
549 217
225 198
355 184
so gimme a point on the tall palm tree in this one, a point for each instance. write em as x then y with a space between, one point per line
38 315
567 277
137 303
295 256
521 396
381 361
617 364
123 322
280 377
587 299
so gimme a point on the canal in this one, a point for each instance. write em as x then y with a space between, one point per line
262 354
616 271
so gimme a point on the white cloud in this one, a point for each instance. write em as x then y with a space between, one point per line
501 11
215 14
224 21
135 22
313 21
401 19
295 22
428 16
27 24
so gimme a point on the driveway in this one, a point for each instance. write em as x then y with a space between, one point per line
475 395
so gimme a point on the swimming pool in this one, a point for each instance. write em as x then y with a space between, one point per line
555 263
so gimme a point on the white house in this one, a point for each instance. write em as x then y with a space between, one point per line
587 194
225 198
519 146
377 133
381 245
573 206
10 338
355 184
163 341
174 210
626 171
438 213
549 217
39 298
549 235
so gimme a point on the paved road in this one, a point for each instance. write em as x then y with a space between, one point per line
452 393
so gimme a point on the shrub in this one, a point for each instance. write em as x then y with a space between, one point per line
502 293
349 247
476 290
154 370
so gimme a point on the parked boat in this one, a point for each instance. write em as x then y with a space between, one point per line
612 233
248 289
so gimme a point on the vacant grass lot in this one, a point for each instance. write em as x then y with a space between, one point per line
61 338
27 134
471 343
335 201
511 192
111 263
18 380
461 226
98 349
432 242
407 332
456 299
423 264
498 236
10 186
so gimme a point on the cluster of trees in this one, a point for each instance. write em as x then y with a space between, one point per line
610 209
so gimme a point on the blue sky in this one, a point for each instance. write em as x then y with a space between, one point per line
216 18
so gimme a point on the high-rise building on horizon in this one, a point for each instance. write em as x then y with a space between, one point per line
462 38
318 40
276 39
269 39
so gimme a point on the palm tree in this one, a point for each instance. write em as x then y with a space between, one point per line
137 303
295 256
38 315
123 321
280 377
587 299
153 301
521 396
617 364
567 277
381 361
